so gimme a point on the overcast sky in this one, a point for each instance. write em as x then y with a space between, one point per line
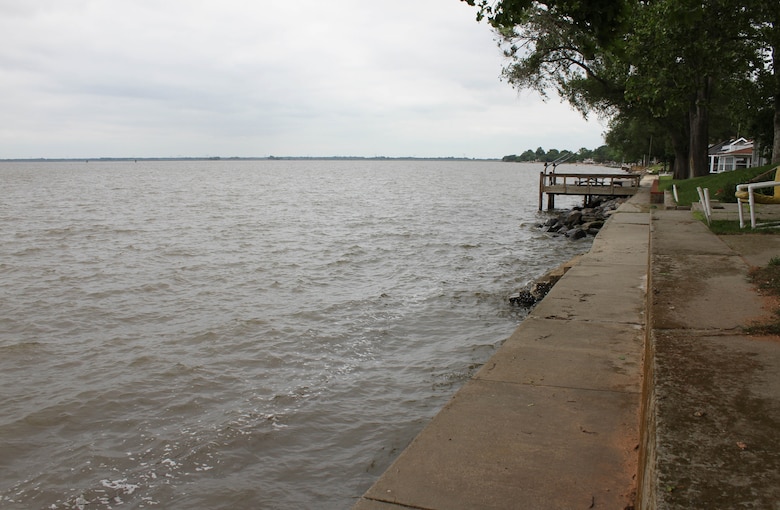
164 78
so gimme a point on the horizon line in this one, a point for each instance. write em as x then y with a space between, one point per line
247 158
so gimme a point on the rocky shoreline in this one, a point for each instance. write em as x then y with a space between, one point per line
580 222
536 290
575 223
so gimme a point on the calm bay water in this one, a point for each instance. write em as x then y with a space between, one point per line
246 334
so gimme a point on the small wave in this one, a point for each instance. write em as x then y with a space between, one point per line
14 347
277 347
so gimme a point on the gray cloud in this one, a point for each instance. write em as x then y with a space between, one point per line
81 78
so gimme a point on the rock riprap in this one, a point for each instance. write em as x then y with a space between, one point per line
581 222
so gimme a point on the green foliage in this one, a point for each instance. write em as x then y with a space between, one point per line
690 57
528 155
603 18
603 154
636 139
674 70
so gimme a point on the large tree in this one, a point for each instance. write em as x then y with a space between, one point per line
678 59
566 45
601 18
769 30
775 43
663 62
682 53
763 98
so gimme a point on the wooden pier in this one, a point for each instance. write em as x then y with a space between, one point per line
587 185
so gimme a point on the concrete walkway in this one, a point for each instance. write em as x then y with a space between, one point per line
566 414
711 427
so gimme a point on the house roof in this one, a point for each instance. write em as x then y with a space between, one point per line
716 148
732 147
745 151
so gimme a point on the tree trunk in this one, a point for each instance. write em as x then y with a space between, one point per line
680 164
776 70
700 121
776 144
680 147
773 36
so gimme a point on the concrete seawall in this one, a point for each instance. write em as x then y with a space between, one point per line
592 401
551 420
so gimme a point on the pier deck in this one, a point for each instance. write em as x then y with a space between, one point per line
587 185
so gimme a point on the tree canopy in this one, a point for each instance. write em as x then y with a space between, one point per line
682 73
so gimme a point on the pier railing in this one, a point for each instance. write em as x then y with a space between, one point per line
587 185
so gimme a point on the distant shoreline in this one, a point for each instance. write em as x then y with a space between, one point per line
266 158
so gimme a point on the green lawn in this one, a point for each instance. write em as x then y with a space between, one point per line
722 186
729 227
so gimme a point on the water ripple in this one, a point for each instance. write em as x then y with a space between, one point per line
245 334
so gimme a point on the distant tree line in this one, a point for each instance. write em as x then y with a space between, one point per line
603 154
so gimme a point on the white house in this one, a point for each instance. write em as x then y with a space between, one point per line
731 155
